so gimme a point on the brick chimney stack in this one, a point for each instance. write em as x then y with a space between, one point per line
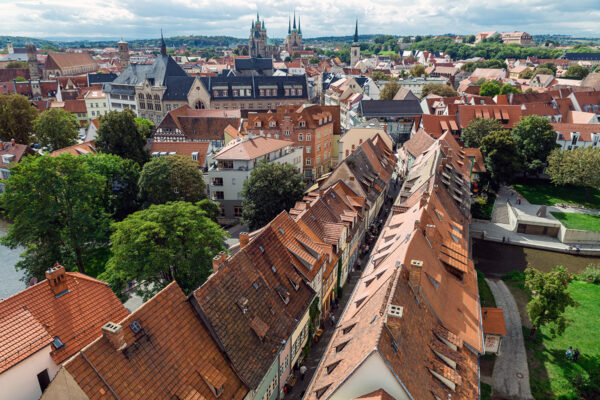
218 260
244 239
415 273
57 279
114 334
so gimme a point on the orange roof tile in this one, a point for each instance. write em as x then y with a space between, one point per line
183 148
250 148
493 321
76 149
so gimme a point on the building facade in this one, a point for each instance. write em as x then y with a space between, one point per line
293 40
259 44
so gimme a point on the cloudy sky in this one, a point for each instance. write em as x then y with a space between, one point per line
144 18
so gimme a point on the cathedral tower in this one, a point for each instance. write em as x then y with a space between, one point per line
355 48
123 54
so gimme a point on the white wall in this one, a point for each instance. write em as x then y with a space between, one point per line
20 382
576 236
373 374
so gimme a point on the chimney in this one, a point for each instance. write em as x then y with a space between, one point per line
415 273
57 280
218 260
114 334
244 239
12 141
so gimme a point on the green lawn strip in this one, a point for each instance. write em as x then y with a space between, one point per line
550 194
485 293
486 391
584 222
551 374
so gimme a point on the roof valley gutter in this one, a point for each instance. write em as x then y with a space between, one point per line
100 376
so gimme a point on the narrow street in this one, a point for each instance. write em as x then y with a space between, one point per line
317 349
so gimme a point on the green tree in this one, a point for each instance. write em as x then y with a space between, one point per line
271 189
121 175
16 118
20 79
543 71
477 129
438 88
418 70
508 88
314 60
211 208
118 133
389 90
296 55
535 138
171 178
173 241
57 210
56 129
489 88
502 160
577 72
16 64
526 74
550 66
145 126
577 167
549 298
381 76
470 39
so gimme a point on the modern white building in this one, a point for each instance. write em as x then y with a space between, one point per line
231 166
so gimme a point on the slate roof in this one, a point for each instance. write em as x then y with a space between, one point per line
581 56
253 63
172 357
390 108
100 78
76 316
254 82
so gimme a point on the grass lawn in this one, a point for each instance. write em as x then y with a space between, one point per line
584 222
485 293
551 375
550 194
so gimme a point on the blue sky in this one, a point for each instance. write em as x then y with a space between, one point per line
143 19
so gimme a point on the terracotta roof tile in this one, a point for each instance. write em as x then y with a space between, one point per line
250 148
76 149
183 148
493 321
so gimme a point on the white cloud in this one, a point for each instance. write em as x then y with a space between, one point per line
143 19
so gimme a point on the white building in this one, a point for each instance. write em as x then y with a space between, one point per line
96 103
232 165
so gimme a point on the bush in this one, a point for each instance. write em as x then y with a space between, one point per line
591 274
482 207
514 276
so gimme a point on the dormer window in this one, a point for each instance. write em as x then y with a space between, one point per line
302 124
272 124
257 124
574 137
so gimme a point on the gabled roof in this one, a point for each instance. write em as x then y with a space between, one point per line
16 149
507 115
493 321
390 108
418 143
250 148
183 148
76 316
437 125
173 356
67 60
76 149
585 130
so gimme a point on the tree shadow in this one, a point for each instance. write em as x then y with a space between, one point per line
497 259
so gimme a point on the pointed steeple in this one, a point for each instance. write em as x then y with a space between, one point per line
257 17
299 29
356 32
263 24
289 25
163 45
294 19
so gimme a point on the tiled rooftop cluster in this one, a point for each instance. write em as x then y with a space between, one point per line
413 323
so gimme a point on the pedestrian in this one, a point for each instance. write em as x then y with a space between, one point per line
503 239
519 200
569 353
332 318
302 372
575 355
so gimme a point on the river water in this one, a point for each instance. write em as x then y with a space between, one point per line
10 282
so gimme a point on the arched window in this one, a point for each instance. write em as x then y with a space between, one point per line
199 105
141 96
149 96
156 97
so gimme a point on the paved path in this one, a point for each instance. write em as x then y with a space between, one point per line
510 378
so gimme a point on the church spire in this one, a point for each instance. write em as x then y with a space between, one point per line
257 17
289 25
299 29
163 45
294 19
263 24
356 32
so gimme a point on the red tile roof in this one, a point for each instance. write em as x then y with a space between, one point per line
76 316
183 148
585 130
173 356
76 149
249 148
507 115
493 321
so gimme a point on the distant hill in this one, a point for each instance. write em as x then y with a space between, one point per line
20 41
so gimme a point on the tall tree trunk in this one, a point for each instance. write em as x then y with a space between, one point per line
79 260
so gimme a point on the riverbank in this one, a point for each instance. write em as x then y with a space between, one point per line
10 278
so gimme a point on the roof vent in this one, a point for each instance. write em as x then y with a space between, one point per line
395 311
273 269
243 304
281 231
135 327
262 250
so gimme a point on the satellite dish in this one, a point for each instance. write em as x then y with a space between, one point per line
33 281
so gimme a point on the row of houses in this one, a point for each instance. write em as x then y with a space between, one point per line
238 336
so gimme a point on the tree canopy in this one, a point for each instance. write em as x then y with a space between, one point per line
121 176
389 90
477 129
576 72
549 298
502 160
166 242
16 118
56 204
171 178
543 71
526 74
119 134
56 129
508 88
577 167
270 189
438 88
489 88
535 138
418 70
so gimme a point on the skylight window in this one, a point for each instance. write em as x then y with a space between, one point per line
57 343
